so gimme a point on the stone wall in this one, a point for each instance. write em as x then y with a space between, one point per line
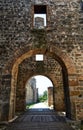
50 97
26 94
61 39
31 91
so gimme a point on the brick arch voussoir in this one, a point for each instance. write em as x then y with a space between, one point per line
26 52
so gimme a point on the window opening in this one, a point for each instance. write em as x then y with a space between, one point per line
39 57
81 5
39 16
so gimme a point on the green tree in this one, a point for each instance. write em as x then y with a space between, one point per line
43 97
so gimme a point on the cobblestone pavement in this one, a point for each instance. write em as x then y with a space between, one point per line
39 119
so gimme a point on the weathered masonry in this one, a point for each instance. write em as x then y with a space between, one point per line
53 29
31 92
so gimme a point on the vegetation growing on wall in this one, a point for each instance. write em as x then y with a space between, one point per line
39 40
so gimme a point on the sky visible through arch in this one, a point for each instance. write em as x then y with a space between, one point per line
42 83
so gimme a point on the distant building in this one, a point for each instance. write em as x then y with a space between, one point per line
39 22
31 91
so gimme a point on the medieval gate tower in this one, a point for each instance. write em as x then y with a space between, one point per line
52 29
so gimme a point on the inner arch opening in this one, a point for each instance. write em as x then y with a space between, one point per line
39 92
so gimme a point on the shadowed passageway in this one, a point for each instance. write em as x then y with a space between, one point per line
39 119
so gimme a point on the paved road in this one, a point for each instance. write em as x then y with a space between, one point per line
39 119
40 105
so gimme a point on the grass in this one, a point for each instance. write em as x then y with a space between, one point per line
29 105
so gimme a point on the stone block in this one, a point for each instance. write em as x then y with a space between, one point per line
74 93
73 83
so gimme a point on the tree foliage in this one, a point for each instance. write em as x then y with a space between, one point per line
43 97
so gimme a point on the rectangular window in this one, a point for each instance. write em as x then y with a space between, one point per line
39 16
39 57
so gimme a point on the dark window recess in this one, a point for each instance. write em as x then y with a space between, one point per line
40 9
81 3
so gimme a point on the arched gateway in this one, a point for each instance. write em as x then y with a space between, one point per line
61 62
58 39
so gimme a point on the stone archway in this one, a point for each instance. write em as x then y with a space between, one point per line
63 60
35 87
